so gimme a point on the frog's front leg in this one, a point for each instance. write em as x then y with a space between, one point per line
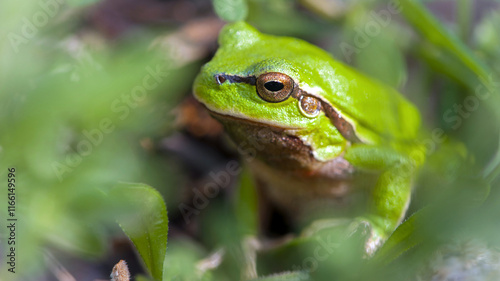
391 194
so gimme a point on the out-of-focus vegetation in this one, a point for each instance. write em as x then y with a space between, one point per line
96 93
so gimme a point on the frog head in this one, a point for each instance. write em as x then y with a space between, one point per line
288 85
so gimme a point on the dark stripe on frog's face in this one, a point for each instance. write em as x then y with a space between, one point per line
221 78
343 126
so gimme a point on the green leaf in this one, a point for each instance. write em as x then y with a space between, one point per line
402 239
231 10
145 223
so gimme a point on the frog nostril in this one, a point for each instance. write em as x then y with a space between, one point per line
219 78
274 86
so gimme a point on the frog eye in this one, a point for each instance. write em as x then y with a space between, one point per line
309 106
274 86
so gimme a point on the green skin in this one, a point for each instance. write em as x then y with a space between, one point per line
381 124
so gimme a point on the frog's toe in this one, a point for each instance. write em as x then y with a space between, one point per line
360 231
367 231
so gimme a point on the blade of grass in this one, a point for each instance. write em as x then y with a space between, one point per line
403 239
492 170
450 55
246 207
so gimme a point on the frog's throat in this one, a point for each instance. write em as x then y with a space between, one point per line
345 128
276 147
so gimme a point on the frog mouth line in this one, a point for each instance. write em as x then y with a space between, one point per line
272 126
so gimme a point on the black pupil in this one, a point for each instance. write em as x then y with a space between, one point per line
274 86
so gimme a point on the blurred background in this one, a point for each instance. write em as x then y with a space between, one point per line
97 93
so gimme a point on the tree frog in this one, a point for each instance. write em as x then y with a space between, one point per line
316 127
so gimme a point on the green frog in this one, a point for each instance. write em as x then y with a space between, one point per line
318 128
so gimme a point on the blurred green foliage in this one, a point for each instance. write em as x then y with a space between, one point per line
73 115
71 121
